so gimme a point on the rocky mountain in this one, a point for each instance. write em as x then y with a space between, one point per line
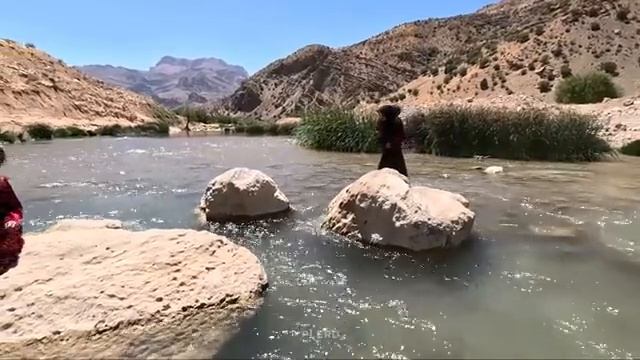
513 47
173 81
37 88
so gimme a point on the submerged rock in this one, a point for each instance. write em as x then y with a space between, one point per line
243 194
381 208
91 289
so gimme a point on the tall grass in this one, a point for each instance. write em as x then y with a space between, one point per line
530 134
337 130
460 131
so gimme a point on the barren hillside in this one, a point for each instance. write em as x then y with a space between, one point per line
35 87
514 47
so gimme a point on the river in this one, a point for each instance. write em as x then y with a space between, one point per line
553 270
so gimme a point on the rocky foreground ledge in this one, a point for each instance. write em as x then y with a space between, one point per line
89 289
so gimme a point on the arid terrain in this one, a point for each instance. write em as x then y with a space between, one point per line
37 88
516 47
506 54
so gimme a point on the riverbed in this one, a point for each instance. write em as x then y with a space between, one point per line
553 269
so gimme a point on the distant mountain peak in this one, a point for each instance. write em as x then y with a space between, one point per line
174 81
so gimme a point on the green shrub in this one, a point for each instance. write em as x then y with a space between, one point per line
40 131
8 137
631 149
610 68
201 115
531 134
565 71
255 129
337 130
586 89
162 115
544 86
157 128
110 130
272 129
623 14
69 132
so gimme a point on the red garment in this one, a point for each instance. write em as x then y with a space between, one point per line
11 241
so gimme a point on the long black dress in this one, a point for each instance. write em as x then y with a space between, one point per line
391 135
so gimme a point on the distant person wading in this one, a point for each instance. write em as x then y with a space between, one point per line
391 136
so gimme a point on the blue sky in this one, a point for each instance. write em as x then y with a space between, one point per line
251 33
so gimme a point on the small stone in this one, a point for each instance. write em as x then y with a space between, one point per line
159 299
628 102
617 31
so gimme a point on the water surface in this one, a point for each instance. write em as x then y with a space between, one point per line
553 270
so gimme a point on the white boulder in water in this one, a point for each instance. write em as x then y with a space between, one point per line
89 289
243 194
381 208
493 170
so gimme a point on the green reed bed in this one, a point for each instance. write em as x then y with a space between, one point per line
69 132
40 131
460 131
337 130
8 137
529 134
241 124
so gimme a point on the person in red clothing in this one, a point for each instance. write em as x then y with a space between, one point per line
391 136
11 241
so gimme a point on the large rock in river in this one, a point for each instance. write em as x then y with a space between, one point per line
381 208
89 289
243 194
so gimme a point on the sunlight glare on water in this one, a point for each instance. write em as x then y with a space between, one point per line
552 271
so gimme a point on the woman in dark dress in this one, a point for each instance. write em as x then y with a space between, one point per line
391 136
11 241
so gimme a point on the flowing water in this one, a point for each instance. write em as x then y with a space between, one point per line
553 270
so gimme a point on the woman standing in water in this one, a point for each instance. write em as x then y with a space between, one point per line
391 136
11 241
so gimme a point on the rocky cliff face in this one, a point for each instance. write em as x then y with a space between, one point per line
507 48
35 87
174 81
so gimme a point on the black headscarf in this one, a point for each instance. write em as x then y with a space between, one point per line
389 114
3 156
